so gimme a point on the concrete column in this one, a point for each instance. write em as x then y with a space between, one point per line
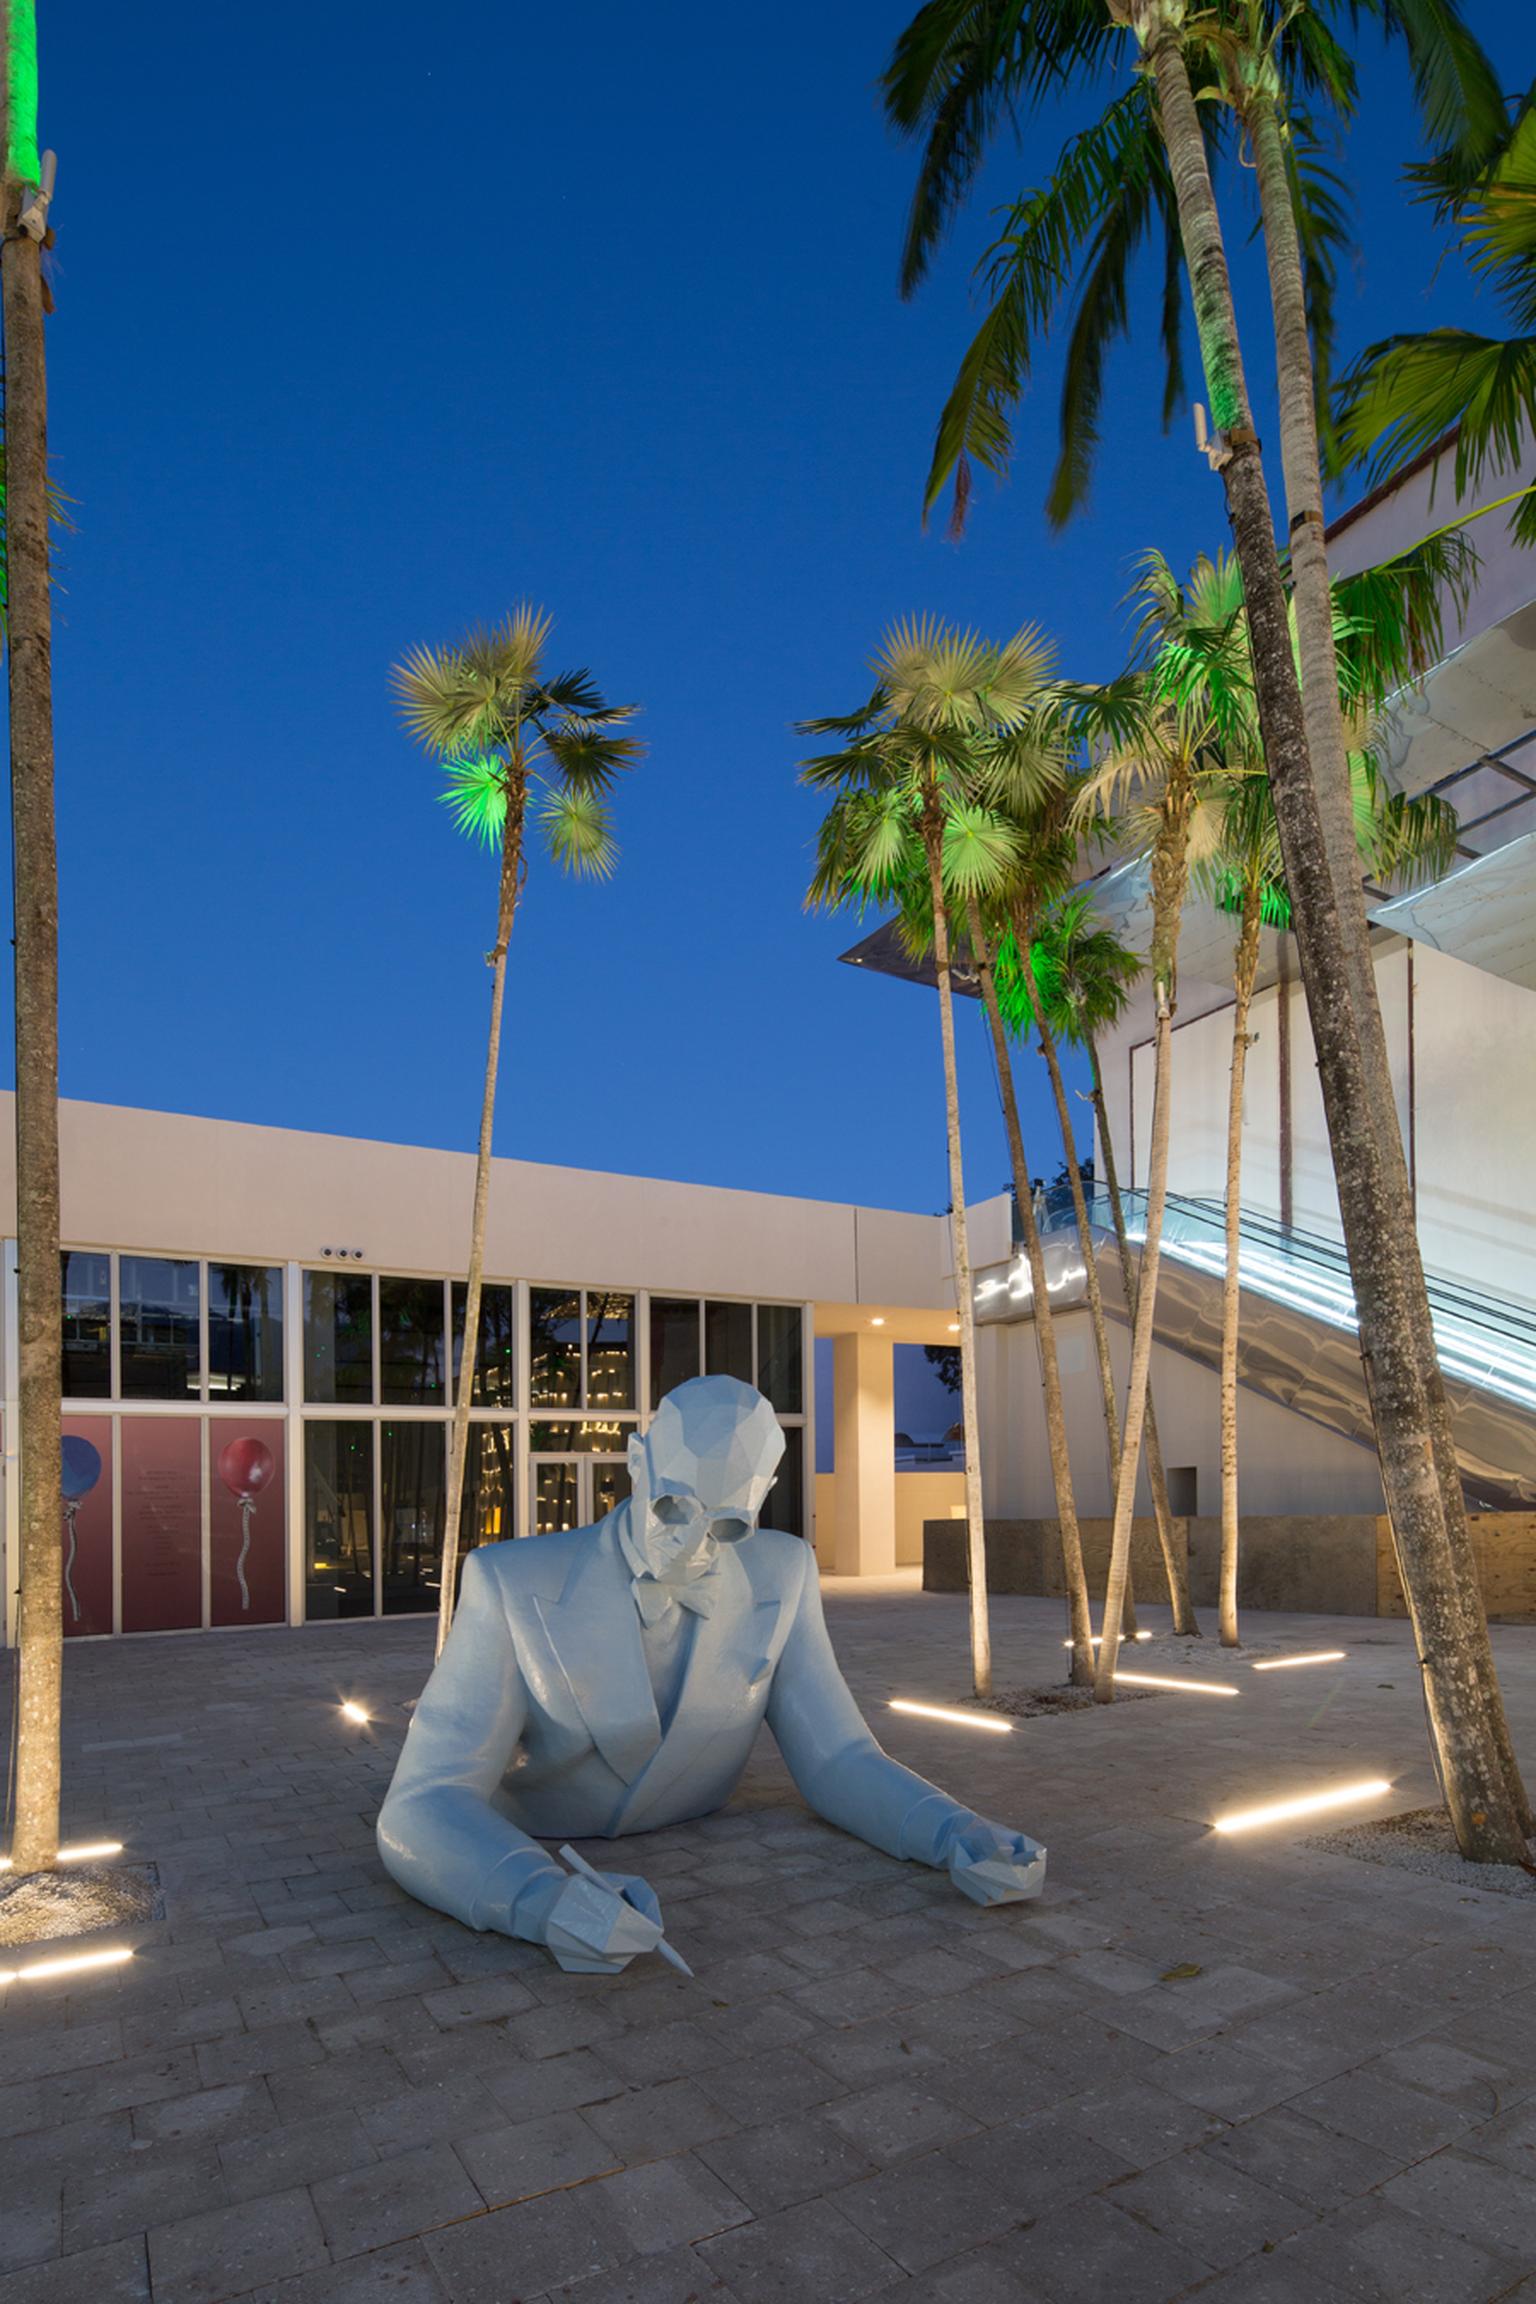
864 1436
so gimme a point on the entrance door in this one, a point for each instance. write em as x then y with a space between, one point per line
573 1491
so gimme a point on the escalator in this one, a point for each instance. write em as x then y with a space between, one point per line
1299 1342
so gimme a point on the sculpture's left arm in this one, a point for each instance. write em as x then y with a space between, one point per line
837 1764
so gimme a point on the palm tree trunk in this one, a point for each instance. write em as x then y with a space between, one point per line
1327 745
1461 1691
965 1308
1080 1620
35 1835
1185 1622
511 876
1178 1588
1243 974
1141 1364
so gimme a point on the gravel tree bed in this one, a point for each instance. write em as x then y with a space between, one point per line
1421 1840
77 1900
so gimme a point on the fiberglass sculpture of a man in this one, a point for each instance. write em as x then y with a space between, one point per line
611 1680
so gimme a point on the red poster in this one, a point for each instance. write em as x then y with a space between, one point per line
87 1474
162 1523
247 1521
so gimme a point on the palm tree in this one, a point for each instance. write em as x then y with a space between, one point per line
1406 393
1425 1506
26 508
508 735
1077 987
1174 724
926 768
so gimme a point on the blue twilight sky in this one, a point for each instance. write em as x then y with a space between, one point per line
374 318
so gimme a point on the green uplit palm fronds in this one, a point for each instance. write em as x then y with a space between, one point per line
507 732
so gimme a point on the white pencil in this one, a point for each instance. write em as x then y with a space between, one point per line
590 1872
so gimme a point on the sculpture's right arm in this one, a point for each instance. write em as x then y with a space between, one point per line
439 1833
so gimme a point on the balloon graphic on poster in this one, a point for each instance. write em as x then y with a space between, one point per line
79 1471
245 1467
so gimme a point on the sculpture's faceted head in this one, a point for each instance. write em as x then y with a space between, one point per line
714 1443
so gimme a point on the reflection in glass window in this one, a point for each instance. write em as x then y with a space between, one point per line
490 1482
160 1354
411 1461
610 1485
589 1438
674 1344
728 1340
495 1367
245 1332
411 1342
779 1376
338 1336
610 1350
784 1507
338 1519
87 1279
556 1498
554 1347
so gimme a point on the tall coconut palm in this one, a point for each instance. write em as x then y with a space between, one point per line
511 736
1425 1507
924 773
1077 987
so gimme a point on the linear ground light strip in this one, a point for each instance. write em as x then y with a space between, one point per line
88 1852
1184 1687
1309 1804
75 1962
1289 1663
987 1720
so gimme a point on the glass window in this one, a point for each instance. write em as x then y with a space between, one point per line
728 1340
589 1438
411 1462
556 1498
247 1520
495 1367
338 1519
490 1479
784 1507
610 1350
245 1332
338 1336
411 1342
778 1357
674 1344
157 1328
610 1485
554 1345
87 1281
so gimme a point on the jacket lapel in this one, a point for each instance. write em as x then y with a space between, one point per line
730 1655
594 1630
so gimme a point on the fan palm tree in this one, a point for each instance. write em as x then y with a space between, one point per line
509 735
1175 725
1406 393
980 62
921 783
1078 984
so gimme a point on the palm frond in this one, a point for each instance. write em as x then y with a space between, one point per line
475 794
587 757
578 831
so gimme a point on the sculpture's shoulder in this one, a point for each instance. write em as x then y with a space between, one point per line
530 1567
776 1563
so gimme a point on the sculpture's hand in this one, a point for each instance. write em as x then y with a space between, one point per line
992 1865
598 1928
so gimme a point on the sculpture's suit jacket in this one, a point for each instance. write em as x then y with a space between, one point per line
540 1719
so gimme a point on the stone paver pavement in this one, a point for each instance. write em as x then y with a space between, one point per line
1245 2070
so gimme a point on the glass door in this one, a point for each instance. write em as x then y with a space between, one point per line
573 1491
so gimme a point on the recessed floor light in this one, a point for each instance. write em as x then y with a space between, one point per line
1184 1687
1289 1663
72 1964
1307 1804
988 1720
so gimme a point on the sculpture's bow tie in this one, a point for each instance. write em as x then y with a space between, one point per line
657 1596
